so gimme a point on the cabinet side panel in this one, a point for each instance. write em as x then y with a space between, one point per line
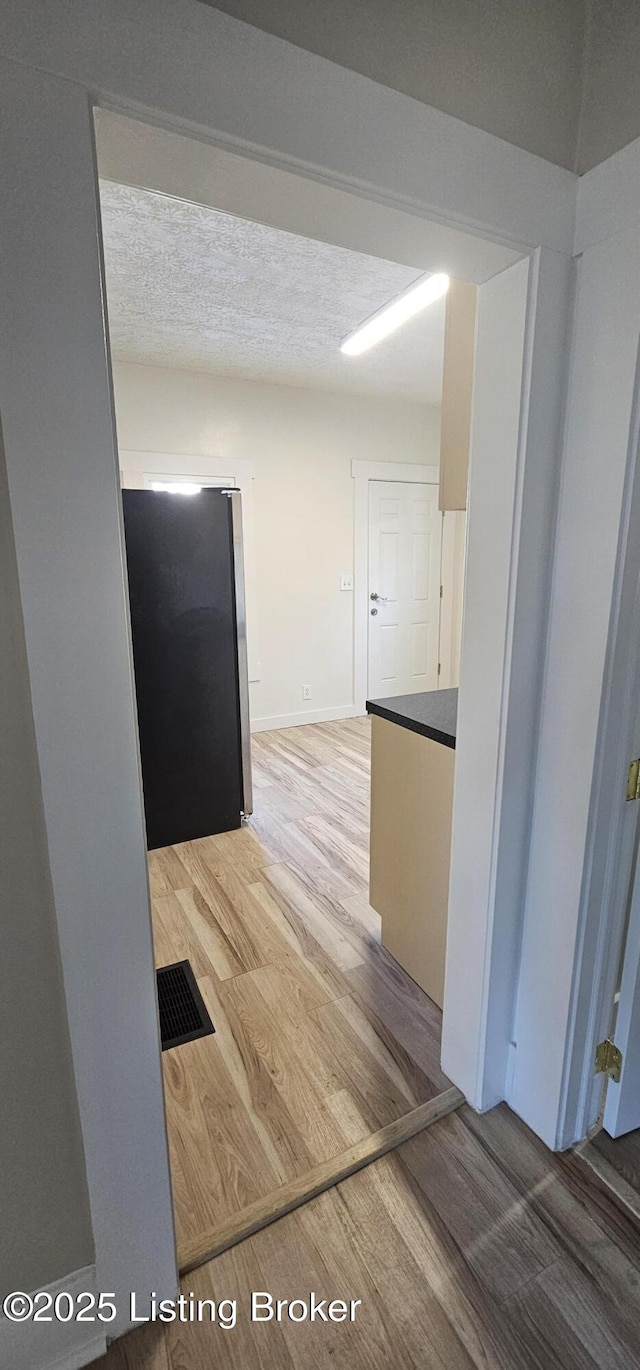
411 806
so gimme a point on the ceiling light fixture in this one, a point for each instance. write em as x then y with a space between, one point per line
392 315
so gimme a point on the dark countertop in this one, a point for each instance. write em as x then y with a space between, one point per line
432 713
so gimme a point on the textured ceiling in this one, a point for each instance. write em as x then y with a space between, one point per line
191 287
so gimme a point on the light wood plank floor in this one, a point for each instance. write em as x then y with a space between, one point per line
321 1039
472 1245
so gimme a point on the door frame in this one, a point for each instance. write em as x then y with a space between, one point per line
612 823
594 743
337 137
363 472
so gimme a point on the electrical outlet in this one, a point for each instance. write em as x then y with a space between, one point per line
306 692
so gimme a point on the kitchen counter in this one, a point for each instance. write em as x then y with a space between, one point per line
432 713
413 740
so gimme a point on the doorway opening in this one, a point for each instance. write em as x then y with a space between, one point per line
324 1046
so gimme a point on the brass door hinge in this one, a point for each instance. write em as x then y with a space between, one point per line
633 780
608 1060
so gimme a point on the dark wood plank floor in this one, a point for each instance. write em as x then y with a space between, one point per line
623 1153
470 1246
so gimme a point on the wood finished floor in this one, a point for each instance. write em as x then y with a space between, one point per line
321 1039
623 1153
470 1246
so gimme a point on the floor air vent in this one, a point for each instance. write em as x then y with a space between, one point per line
183 1015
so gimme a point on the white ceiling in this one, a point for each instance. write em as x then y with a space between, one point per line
191 287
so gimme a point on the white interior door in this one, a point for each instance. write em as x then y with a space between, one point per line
405 538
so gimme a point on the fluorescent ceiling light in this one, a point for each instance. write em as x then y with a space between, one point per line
392 315
175 487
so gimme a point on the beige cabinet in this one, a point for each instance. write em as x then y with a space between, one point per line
411 811
457 393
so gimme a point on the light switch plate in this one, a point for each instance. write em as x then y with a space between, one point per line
346 582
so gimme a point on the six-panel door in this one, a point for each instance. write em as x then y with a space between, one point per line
405 536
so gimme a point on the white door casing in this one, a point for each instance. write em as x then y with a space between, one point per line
583 831
496 741
405 540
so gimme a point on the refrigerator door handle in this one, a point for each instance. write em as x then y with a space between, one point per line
241 632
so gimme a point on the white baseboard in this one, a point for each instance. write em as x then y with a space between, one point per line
264 725
55 1345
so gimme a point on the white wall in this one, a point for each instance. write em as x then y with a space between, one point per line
44 1201
63 486
601 396
492 493
301 444
333 125
513 69
514 472
558 77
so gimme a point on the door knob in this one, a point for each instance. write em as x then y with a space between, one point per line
379 598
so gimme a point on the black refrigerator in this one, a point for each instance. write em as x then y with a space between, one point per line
186 592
